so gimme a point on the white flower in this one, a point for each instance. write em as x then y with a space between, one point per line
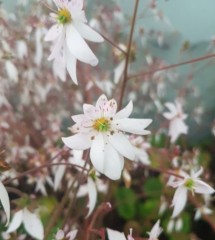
31 222
5 202
189 182
68 36
204 210
140 147
176 116
102 129
155 232
60 235
116 235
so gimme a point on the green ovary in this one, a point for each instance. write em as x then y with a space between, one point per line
189 184
64 16
101 125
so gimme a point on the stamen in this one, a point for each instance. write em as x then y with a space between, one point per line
102 125
64 16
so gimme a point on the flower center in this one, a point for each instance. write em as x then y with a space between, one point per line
101 125
64 16
189 184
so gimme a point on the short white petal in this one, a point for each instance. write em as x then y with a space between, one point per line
110 108
202 187
5 202
179 201
115 235
71 66
87 32
53 32
16 222
125 112
97 153
121 143
78 141
101 102
132 125
33 225
112 163
78 47
58 175
76 4
92 195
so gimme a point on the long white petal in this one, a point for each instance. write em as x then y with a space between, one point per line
16 222
33 225
71 65
118 71
58 175
5 201
78 141
179 201
115 235
87 32
125 112
132 125
57 47
156 231
120 142
112 163
92 195
79 47
97 154
202 187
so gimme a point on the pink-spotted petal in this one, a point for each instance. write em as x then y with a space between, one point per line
110 108
101 102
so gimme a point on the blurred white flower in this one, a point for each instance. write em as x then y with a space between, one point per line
155 232
12 71
116 235
204 210
31 222
60 235
5 202
22 49
102 129
189 182
176 116
68 36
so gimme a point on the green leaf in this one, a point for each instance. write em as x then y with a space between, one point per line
148 208
153 187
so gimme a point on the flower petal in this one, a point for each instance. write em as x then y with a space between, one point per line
125 112
72 234
118 71
58 175
132 125
110 108
202 187
120 142
76 4
78 141
5 202
53 32
87 32
156 231
179 201
71 66
97 153
101 102
92 195
172 108
56 48
16 222
78 47
115 235
33 225
112 163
